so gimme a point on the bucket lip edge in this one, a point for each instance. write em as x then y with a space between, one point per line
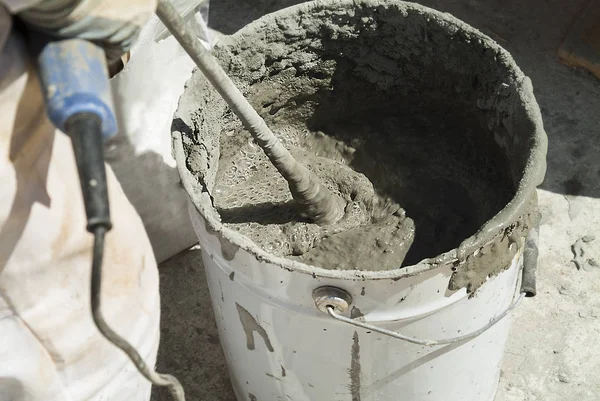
487 232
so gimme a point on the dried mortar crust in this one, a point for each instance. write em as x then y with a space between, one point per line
435 115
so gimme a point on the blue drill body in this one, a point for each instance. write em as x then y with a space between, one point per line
74 80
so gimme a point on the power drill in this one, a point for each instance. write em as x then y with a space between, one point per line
74 81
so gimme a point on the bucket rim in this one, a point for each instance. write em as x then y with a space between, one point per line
525 191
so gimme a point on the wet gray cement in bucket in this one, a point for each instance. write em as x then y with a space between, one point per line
419 142
415 157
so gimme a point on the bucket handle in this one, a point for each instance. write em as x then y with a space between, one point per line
334 301
331 310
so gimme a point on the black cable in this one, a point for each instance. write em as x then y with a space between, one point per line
96 295
85 130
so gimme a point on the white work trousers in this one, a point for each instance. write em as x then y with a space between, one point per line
50 349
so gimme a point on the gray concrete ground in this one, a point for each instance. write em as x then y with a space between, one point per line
553 353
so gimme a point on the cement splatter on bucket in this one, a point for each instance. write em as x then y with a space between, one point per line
440 119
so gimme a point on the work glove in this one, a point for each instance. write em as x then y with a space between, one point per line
112 24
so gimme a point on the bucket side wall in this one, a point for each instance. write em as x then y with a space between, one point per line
277 345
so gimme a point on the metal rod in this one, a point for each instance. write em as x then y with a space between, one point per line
318 203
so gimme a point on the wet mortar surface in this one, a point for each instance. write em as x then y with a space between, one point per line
424 161
253 199
418 172
550 356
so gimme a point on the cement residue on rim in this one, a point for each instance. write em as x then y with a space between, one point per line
507 108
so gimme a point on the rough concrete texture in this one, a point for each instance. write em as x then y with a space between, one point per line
361 72
552 353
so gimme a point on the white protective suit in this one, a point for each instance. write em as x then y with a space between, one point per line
50 349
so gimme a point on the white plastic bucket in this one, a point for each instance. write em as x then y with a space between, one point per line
278 344
426 332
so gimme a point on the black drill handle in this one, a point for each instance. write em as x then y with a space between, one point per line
85 130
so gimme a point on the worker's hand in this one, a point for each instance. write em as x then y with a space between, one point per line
113 24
